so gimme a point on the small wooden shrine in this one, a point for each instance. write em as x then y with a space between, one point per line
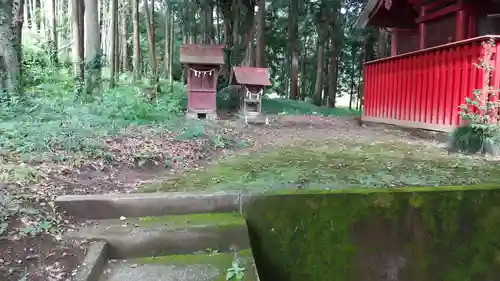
252 81
202 63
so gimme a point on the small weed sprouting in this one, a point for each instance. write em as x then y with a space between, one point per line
235 272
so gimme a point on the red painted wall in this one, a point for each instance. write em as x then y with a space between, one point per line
424 89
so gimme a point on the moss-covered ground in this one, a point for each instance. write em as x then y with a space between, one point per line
336 164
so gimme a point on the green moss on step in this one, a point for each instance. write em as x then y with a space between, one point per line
221 219
385 190
413 234
221 261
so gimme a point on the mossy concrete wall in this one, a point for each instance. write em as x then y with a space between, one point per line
413 234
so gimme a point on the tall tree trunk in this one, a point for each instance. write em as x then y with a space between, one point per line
303 72
217 11
113 46
261 23
318 86
92 48
171 50
293 28
11 12
249 52
124 15
151 42
211 33
322 34
167 41
137 40
78 42
53 31
336 35
207 24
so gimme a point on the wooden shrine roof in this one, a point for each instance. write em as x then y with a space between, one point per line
252 76
388 13
201 54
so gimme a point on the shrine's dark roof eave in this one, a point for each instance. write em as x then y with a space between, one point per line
363 19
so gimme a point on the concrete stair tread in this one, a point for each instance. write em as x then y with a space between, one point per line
173 234
206 266
98 229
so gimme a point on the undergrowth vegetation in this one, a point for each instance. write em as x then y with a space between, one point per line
293 107
48 133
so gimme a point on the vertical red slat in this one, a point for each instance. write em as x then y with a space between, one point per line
443 93
430 89
458 78
437 87
449 93
425 89
409 90
383 90
395 84
399 86
383 100
467 66
390 90
366 87
387 89
404 89
390 96
411 98
376 90
418 93
370 92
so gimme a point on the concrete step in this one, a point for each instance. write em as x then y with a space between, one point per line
167 235
206 266
108 206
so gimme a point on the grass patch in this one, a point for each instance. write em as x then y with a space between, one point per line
336 165
294 107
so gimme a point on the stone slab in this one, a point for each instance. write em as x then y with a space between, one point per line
147 204
136 238
94 263
197 267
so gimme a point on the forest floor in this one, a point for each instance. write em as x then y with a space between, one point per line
305 151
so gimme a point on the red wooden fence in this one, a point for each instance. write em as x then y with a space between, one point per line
424 89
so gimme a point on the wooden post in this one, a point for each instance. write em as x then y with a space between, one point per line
472 21
460 25
421 29
394 42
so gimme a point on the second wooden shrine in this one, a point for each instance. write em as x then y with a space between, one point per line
252 81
